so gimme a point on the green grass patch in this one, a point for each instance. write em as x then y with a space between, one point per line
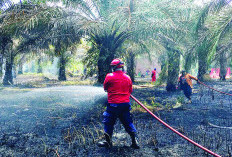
180 99
136 108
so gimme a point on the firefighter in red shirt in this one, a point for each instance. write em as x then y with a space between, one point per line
153 75
119 87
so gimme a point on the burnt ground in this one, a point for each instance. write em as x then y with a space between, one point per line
66 121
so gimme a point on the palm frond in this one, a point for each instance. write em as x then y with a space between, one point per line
215 6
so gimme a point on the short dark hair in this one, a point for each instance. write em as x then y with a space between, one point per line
183 72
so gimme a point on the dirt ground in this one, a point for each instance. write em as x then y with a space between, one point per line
66 121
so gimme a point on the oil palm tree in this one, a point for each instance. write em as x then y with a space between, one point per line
208 36
164 26
105 46
15 24
52 25
222 27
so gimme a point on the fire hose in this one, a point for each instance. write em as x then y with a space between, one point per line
214 89
174 130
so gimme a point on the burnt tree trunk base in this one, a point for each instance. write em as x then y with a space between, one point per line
62 75
40 69
171 87
173 69
8 78
131 66
202 70
1 65
1 73
223 78
103 65
222 59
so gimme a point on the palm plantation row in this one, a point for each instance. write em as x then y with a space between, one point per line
182 34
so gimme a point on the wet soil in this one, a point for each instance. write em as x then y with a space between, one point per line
66 121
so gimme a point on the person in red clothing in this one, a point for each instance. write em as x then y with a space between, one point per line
119 87
153 75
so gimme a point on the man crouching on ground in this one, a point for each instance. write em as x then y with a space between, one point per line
119 87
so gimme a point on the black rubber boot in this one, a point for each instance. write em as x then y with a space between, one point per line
107 143
134 144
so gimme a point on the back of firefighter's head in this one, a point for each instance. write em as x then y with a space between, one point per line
183 72
117 64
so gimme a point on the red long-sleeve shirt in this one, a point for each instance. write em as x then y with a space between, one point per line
153 75
118 86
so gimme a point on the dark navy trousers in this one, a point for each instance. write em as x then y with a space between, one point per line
187 91
121 112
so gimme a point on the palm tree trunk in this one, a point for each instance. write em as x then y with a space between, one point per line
222 60
20 64
20 68
103 64
202 69
131 65
173 70
101 71
62 63
1 65
39 70
8 78
188 62
202 60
